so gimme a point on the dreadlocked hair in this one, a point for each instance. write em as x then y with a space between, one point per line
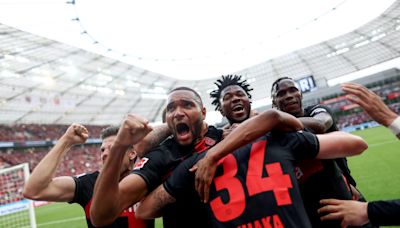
275 84
226 81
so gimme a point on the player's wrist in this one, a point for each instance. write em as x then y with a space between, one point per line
65 141
395 126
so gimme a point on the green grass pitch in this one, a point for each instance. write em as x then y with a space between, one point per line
376 171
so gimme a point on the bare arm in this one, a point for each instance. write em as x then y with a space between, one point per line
153 139
319 123
111 197
41 185
340 144
152 206
243 134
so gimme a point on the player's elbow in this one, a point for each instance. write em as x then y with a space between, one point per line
359 145
143 213
99 222
29 193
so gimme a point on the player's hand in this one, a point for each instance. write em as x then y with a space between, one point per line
75 134
350 212
370 102
288 123
253 113
133 129
228 129
205 172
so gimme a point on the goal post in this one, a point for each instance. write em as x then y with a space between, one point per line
15 210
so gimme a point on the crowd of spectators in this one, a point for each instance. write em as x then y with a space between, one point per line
36 132
80 159
348 114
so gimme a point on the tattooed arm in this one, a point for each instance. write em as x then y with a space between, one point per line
153 205
153 139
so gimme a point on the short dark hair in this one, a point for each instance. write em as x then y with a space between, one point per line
164 115
274 86
226 81
109 131
189 89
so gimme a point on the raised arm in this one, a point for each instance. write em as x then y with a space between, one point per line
243 134
110 196
153 139
42 185
370 102
340 144
373 105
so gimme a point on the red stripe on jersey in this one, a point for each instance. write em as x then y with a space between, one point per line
308 168
133 222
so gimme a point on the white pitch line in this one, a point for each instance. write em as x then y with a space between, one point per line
61 221
383 143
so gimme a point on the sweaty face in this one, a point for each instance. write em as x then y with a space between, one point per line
235 104
287 98
105 152
184 116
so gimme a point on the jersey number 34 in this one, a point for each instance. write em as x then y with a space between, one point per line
277 182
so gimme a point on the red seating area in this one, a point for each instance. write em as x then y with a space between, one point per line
78 160
33 132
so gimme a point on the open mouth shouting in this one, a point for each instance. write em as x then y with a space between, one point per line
238 109
183 133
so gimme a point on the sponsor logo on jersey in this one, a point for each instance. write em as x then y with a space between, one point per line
209 141
140 164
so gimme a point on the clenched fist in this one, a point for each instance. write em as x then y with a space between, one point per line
133 129
75 134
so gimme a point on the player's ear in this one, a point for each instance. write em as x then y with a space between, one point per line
203 112
221 111
132 153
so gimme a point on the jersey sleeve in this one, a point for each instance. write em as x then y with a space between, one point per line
384 213
83 188
152 168
317 109
182 179
304 145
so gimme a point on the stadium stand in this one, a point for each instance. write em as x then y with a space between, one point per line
32 132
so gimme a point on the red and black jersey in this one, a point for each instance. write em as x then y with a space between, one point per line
313 110
158 164
83 196
322 179
255 186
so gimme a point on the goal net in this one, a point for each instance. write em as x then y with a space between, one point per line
15 211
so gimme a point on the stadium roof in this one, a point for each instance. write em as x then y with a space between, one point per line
48 81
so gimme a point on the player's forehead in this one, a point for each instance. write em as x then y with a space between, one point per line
285 84
108 141
231 90
181 95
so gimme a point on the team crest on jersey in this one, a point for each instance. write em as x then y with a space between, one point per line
209 141
140 164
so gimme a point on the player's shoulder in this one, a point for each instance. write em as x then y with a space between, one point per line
214 132
91 175
315 109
